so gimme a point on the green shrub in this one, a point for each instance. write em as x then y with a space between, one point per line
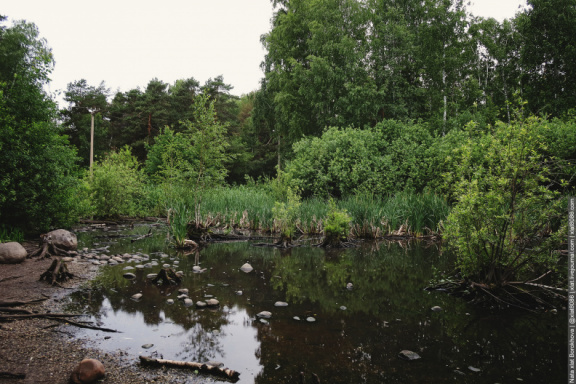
116 185
505 210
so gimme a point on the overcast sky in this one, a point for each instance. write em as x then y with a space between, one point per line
126 43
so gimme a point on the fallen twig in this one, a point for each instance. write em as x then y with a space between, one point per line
81 325
37 315
205 368
15 303
11 375
10 278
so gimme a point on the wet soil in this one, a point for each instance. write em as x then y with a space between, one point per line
46 351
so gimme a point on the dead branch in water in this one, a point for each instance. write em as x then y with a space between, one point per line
204 368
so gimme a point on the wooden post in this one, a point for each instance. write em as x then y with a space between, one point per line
91 141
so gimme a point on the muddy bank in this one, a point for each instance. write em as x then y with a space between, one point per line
46 351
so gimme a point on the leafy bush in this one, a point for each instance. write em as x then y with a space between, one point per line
505 210
337 224
286 214
388 158
116 185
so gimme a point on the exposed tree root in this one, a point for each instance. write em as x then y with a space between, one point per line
48 249
57 272
523 295
167 277
204 368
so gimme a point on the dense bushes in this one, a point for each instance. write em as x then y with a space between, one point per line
388 158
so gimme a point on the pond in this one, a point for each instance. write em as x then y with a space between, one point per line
349 314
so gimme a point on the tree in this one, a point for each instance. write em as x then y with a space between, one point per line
86 102
195 156
548 55
38 165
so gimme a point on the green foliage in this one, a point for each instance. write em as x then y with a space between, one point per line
179 216
8 234
505 209
286 214
388 158
116 185
195 157
38 176
336 224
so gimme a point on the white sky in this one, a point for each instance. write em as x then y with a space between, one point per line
127 43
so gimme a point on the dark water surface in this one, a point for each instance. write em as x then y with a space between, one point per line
357 333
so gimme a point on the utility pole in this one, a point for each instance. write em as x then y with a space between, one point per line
91 140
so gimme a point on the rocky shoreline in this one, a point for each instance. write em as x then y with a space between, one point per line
39 350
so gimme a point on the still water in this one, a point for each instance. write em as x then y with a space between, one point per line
356 334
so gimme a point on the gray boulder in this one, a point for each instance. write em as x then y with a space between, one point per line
12 253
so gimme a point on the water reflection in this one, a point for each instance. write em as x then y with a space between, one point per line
357 334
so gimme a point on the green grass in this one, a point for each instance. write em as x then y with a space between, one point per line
250 207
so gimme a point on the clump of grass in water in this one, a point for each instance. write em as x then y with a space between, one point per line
179 216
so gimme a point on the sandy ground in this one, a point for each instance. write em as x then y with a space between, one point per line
46 351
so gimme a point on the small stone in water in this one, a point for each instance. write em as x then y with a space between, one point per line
408 355
436 308
188 302
296 318
139 266
151 275
280 304
473 369
200 304
246 268
264 321
137 296
349 286
183 291
265 314
146 346
169 301
128 268
212 302
166 266
343 308
310 319
239 293
129 275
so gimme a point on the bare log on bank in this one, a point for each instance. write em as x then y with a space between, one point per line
204 368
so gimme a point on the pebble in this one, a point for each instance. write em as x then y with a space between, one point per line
265 314
280 304
310 319
169 301
246 268
137 296
408 355
129 275
147 346
436 309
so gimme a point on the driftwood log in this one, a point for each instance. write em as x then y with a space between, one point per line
204 368
57 272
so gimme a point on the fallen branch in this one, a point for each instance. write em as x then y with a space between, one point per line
10 278
204 368
15 310
80 325
143 236
10 375
17 303
36 315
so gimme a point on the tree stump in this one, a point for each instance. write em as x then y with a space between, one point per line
57 272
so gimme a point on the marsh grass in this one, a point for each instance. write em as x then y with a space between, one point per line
251 207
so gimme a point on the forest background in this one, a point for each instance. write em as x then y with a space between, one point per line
410 117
